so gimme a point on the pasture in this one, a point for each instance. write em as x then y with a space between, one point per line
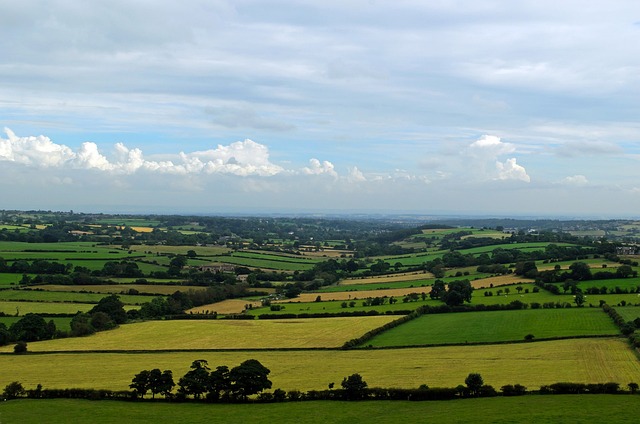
497 326
628 313
559 409
218 334
529 364
61 323
66 296
104 289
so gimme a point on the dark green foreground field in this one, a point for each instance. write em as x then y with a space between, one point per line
531 408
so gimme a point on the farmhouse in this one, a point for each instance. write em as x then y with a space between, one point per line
217 268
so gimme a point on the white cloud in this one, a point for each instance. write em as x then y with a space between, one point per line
490 146
575 180
355 175
510 170
242 158
318 168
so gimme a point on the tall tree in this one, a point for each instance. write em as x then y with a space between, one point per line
248 378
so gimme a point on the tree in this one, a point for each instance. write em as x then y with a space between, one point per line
474 383
112 306
220 383
81 325
248 378
458 292
32 328
13 390
160 382
355 388
20 347
437 290
140 383
196 381
579 299
633 387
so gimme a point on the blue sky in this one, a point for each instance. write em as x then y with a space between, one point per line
459 107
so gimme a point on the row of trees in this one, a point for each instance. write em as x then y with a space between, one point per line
235 384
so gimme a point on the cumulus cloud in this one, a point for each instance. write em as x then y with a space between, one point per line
510 170
242 158
318 168
355 175
575 180
483 155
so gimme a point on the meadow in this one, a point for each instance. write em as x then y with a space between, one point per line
559 409
497 326
530 364
66 296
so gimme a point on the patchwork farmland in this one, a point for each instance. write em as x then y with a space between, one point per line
129 293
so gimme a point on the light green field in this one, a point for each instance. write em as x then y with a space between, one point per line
628 313
497 326
7 279
220 334
66 296
558 409
336 307
529 364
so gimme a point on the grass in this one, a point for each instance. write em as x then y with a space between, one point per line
157 289
629 313
66 296
529 364
336 306
497 326
558 409
219 334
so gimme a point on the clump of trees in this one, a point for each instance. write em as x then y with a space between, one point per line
221 384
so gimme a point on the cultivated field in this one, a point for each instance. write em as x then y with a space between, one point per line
354 295
218 334
229 306
405 276
529 364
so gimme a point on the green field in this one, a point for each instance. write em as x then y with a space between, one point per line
557 409
530 364
65 296
335 306
497 326
629 313
22 308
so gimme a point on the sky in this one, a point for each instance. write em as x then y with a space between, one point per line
467 107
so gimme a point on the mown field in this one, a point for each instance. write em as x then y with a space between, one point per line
218 334
559 409
497 326
67 296
530 364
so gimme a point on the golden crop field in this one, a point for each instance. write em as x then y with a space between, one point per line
394 278
502 280
355 295
529 364
22 308
229 306
182 250
219 334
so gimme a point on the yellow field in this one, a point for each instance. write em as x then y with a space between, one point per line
22 308
328 253
119 288
229 306
502 280
354 295
529 364
405 276
218 334
143 229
